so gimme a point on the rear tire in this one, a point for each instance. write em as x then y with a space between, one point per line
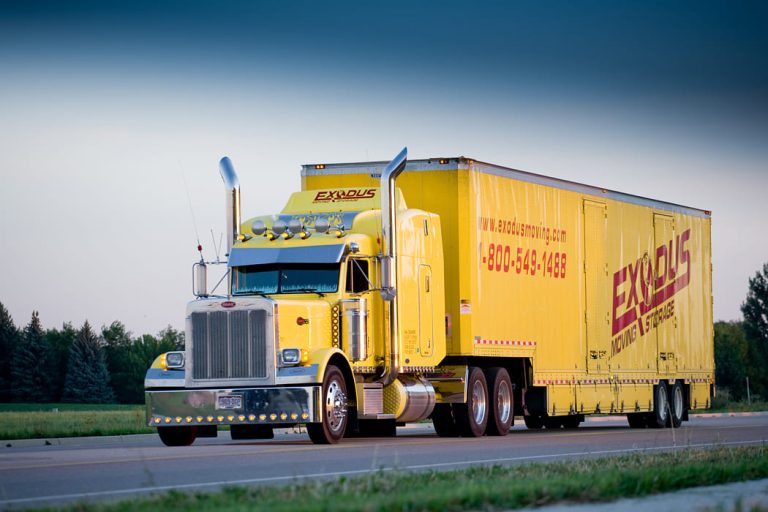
502 408
334 409
442 419
677 404
177 436
472 417
660 416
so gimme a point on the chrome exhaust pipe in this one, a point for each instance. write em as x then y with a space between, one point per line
389 260
232 185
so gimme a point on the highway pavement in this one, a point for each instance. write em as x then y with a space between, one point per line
36 473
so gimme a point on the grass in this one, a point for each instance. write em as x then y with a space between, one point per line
480 488
35 421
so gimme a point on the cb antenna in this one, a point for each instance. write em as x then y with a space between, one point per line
192 211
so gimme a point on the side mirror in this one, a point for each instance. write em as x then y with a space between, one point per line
200 279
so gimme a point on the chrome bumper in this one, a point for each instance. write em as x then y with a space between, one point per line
268 406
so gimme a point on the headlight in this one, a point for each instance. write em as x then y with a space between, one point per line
174 359
291 356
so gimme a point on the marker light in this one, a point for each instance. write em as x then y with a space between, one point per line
322 225
243 237
258 227
279 227
320 166
443 161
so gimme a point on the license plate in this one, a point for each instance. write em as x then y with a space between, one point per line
229 402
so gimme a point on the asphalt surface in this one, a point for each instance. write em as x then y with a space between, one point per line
35 474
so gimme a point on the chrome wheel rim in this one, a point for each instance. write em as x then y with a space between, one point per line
504 402
335 406
478 402
661 398
678 401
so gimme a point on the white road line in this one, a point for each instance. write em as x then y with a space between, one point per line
145 490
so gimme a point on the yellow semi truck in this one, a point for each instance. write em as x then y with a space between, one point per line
445 288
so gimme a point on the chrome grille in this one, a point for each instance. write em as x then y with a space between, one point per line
229 345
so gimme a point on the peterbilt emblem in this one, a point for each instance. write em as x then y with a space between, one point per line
228 304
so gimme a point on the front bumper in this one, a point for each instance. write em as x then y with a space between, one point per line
258 406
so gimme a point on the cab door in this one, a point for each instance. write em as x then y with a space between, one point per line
426 312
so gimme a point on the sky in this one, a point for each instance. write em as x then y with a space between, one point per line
114 115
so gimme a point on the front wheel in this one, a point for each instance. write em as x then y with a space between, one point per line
472 417
177 436
334 412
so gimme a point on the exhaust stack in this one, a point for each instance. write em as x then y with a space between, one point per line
232 185
389 260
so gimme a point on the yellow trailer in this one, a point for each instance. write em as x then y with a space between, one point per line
449 289
592 298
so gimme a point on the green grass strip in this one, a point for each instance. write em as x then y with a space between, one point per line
73 423
480 488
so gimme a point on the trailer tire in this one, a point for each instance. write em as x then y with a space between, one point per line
553 422
502 415
637 419
534 421
677 404
177 436
660 418
472 417
442 419
335 415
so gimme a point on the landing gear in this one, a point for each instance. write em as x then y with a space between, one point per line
334 411
534 421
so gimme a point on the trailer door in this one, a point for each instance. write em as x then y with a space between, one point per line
597 288
664 265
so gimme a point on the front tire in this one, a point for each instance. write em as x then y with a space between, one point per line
502 415
660 416
177 436
472 417
335 414
677 404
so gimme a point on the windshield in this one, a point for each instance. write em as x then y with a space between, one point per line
286 278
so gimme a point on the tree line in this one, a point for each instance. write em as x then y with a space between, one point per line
77 365
741 347
81 365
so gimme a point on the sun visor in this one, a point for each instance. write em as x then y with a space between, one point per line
240 257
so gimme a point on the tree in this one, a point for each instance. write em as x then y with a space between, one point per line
120 362
31 362
755 311
731 358
60 343
170 337
8 340
87 375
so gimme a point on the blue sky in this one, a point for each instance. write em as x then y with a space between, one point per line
108 109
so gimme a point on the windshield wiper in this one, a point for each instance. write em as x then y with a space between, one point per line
304 290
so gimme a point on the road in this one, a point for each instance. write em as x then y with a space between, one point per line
33 474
